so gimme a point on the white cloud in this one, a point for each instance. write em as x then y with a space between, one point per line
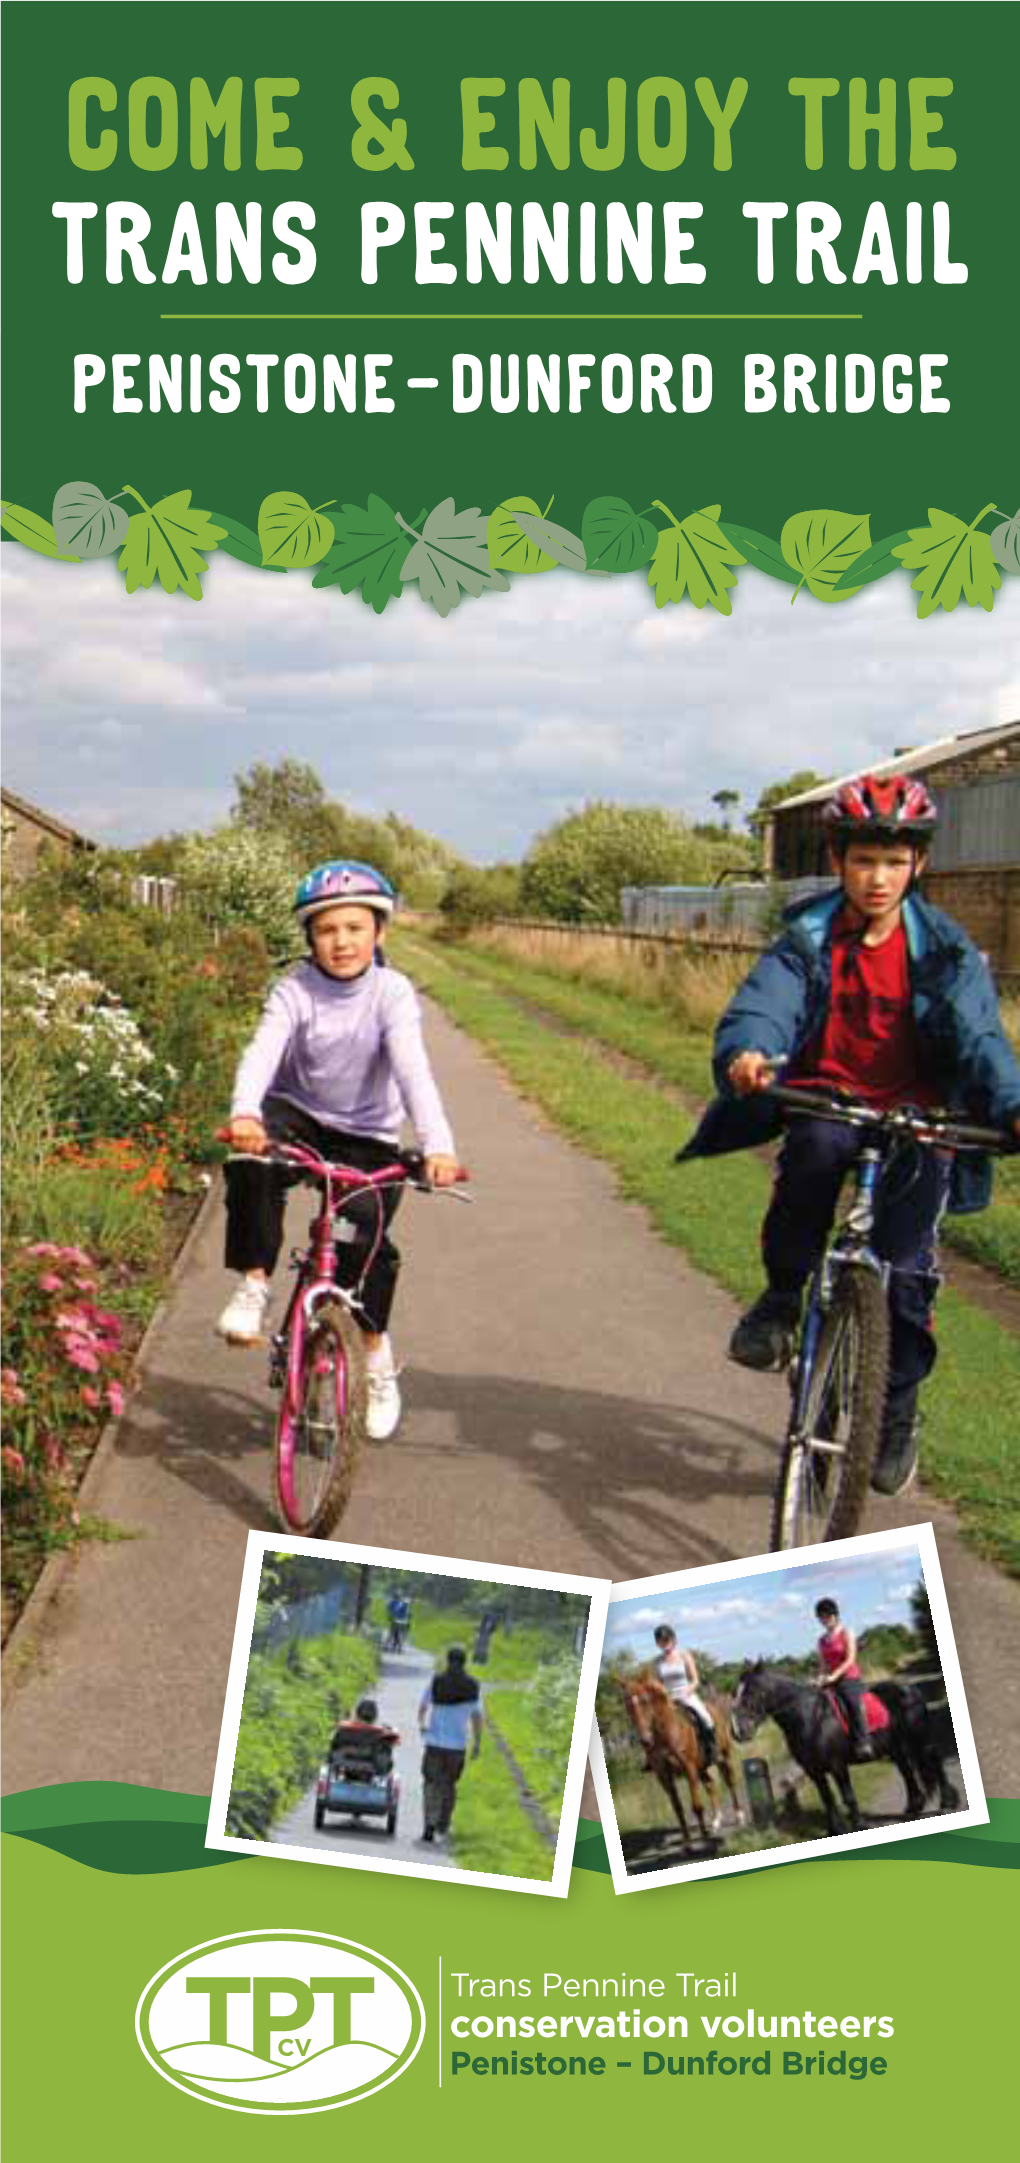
483 728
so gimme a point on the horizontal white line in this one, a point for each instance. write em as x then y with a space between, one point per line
423 383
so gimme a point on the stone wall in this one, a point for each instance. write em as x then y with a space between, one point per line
987 903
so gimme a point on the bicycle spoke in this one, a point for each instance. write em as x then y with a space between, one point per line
320 1426
828 1454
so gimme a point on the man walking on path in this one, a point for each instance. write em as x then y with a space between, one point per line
450 1710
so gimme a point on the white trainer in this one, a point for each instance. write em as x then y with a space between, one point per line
382 1416
244 1314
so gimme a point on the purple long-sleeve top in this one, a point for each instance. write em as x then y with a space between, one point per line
351 1055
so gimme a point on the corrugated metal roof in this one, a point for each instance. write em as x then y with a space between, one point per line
922 760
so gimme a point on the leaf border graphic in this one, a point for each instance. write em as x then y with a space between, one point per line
760 551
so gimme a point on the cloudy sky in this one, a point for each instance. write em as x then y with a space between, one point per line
130 717
758 1617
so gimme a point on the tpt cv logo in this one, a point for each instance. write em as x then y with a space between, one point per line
284 2020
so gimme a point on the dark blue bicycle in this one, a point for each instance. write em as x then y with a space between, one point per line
839 1366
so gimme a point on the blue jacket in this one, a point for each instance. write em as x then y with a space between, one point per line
783 1004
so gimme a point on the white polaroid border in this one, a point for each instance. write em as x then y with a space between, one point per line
831 1553
596 1589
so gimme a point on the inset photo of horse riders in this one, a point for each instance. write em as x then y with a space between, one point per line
752 1713
407 1713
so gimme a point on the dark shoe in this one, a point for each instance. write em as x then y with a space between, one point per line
764 1336
429 1832
894 1467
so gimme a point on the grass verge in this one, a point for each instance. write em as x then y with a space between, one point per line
713 1211
490 1830
293 1698
659 1038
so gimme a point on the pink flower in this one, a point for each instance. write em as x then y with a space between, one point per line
73 1318
50 1283
91 1397
13 1464
76 1255
84 1284
54 1452
45 1246
80 1354
11 1391
115 1398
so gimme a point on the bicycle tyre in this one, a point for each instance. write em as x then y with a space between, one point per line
324 1427
820 1495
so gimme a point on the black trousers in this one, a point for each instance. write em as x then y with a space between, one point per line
256 1194
851 1694
814 1160
440 1771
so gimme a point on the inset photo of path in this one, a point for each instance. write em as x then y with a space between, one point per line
810 1706
390 1716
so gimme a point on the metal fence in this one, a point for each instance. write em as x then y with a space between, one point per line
739 910
306 1618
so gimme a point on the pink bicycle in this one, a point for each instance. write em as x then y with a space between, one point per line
317 1356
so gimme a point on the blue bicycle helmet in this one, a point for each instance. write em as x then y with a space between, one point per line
343 880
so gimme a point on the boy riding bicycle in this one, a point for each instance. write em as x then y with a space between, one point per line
872 991
336 1061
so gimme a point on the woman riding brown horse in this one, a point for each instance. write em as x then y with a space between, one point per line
672 1743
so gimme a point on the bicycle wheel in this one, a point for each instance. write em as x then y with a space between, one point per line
823 1478
321 1424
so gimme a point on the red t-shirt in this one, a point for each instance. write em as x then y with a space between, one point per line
869 1042
833 1650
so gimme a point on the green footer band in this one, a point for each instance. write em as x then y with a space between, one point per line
109 1825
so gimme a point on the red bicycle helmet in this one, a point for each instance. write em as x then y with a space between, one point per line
870 809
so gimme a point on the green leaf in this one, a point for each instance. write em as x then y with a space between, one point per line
240 541
164 541
291 533
370 551
32 531
450 553
1006 543
615 537
876 562
821 546
509 548
694 556
953 562
554 541
761 550
87 521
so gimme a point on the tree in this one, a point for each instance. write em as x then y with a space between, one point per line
577 869
233 876
277 796
726 800
478 895
777 793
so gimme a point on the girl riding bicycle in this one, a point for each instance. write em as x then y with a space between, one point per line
873 991
336 1062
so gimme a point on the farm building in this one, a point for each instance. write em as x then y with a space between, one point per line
974 868
30 829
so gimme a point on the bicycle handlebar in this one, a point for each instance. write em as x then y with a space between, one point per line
933 1128
408 1166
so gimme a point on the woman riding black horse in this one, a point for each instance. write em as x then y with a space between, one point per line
818 1739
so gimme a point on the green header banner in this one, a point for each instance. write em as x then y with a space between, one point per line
383 287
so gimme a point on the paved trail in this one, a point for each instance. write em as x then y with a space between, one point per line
402 1678
569 1406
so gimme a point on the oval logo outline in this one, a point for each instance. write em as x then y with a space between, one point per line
187 2085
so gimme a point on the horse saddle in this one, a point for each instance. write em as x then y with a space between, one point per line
876 1713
